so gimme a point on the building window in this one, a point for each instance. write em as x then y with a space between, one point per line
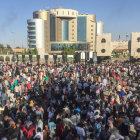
103 40
36 16
31 33
91 29
138 39
91 25
32 37
31 23
32 46
72 21
138 50
57 12
72 37
91 37
91 33
63 12
91 41
31 28
72 29
72 13
73 34
72 25
103 50
68 12
32 41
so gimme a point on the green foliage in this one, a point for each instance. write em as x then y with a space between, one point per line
68 50
7 58
30 52
1 58
5 50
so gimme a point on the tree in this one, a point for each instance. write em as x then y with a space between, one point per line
68 50
1 48
18 47
9 49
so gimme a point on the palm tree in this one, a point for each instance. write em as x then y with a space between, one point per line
1 48
9 49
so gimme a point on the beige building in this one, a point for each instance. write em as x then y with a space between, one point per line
135 45
59 27
103 45
50 30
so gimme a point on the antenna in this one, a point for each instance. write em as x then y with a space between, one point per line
47 7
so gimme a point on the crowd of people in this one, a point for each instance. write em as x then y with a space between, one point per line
70 101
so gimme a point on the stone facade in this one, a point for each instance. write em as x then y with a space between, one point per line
103 45
135 45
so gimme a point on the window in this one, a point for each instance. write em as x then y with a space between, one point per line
91 29
91 41
73 34
138 50
72 29
32 46
103 50
91 33
57 12
81 28
68 12
91 25
91 37
72 25
103 40
31 23
36 16
72 13
62 12
138 39
72 37
31 28
32 37
32 41
72 21
31 33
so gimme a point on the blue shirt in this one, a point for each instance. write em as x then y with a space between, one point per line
52 126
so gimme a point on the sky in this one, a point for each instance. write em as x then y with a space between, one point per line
120 17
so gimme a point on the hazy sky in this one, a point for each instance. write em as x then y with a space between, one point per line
119 16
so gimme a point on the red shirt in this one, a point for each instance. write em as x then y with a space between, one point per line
29 86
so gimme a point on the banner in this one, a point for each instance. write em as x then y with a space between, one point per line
94 56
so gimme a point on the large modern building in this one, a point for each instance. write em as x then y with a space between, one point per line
50 30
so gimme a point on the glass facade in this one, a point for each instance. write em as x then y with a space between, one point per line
78 46
64 30
31 23
31 28
52 28
81 28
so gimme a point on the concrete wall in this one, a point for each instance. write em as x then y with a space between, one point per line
135 45
106 46
91 31
73 30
